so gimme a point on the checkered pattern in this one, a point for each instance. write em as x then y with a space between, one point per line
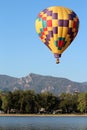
57 27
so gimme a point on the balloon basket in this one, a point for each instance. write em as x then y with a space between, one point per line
57 61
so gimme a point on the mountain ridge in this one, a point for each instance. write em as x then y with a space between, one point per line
41 83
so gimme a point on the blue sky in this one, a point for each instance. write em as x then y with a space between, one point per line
21 50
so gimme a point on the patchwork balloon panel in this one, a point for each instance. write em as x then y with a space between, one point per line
57 27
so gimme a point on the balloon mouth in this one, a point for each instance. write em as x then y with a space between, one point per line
57 56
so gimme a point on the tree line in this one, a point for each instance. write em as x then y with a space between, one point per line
29 102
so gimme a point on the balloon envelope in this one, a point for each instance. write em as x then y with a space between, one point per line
57 27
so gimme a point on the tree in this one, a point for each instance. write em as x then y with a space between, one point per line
0 103
7 102
52 102
28 102
67 102
75 102
82 102
48 101
16 100
1 94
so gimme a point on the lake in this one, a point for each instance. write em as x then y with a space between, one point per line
43 123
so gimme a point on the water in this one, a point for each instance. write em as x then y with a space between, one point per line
43 123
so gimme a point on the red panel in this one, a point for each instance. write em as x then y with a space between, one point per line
44 18
41 37
49 23
74 25
42 33
45 29
60 44
40 15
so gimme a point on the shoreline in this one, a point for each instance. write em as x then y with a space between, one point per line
44 115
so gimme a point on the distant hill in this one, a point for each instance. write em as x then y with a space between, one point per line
41 84
85 83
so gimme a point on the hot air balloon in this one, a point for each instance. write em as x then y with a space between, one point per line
57 27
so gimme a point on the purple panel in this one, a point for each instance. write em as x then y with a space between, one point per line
65 23
47 38
72 36
74 15
46 43
55 16
49 13
50 33
70 17
60 22
55 30
45 10
70 31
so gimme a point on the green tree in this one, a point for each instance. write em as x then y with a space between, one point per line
75 102
7 103
52 102
28 102
0 103
66 103
16 100
82 102
48 101
1 94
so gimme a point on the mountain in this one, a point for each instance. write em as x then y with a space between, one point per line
85 83
40 84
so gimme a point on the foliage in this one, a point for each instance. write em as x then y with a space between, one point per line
30 102
82 102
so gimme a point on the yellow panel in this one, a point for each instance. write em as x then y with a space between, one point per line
54 23
49 17
67 37
55 37
51 8
60 13
41 13
45 32
52 46
65 15
38 25
65 30
49 28
45 15
60 31
70 23
68 10
55 9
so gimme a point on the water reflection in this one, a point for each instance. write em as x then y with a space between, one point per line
43 123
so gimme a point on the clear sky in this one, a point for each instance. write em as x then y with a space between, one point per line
21 50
